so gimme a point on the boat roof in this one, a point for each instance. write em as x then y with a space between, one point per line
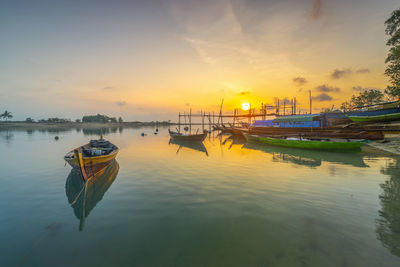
297 118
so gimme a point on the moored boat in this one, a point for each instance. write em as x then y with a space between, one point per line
188 137
321 144
91 158
388 114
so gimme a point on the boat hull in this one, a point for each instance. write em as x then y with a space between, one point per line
375 115
92 165
188 138
309 144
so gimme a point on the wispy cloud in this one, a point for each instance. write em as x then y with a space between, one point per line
108 88
338 74
361 88
344 73
362 71
316 9
244 93
322 97
120 103
299 81
325 88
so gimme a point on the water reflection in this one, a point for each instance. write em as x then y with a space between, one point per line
101 131
84 197
191 145
235 140
309 158
388 223
7 135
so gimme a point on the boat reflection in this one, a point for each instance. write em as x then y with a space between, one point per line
191 145
309 158
82 196
388 223
235 140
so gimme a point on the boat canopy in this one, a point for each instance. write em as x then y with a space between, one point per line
298 118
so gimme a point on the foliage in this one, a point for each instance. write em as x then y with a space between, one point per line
120 120
29 120
393 58
55 120
368 97
77 120
98 118
6 115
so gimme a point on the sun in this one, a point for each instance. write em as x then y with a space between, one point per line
245 106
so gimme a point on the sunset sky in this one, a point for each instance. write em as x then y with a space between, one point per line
147 60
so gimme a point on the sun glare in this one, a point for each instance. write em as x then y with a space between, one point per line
245 106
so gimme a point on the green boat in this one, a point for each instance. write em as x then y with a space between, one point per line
308 144
384 117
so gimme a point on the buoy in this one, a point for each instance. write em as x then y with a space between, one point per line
155 132
56 137
142 134
156 129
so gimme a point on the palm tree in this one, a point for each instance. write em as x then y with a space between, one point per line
7 115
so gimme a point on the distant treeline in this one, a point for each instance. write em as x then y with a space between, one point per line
103 119
100 118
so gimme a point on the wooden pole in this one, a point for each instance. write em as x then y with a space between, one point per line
310 102
190 121
179 123
234 117
202 121
284 107
278 107
213 118
220 111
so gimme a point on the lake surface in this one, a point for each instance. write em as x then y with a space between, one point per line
222 204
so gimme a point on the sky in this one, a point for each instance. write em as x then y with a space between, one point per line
149 60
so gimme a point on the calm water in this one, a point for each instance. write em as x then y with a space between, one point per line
221 204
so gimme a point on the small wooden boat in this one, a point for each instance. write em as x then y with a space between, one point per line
91 158
388 114
188 137
322 144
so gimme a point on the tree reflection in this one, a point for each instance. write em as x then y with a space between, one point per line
388 223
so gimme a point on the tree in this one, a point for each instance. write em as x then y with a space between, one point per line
98 118
393 58
120 120
368 97
29 120
77 120
7 115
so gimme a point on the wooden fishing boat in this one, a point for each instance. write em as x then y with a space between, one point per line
91 158
388 114
319 144
188 137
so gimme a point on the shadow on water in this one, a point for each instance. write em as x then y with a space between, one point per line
191 145
84 198
310 158
388 223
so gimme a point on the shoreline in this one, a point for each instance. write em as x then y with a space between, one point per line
79 125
